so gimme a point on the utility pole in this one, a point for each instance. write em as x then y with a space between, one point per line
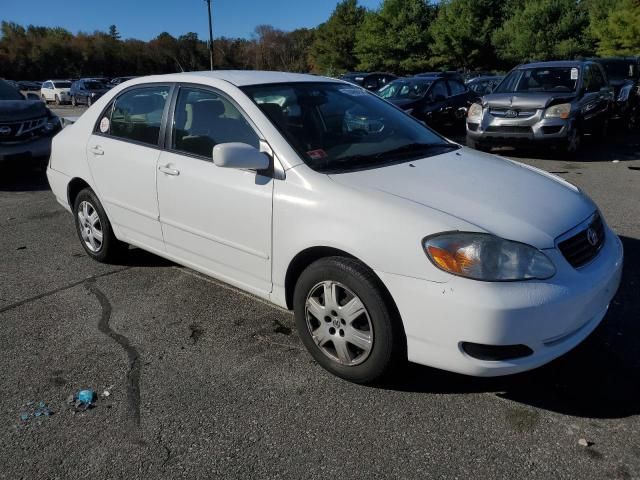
210 35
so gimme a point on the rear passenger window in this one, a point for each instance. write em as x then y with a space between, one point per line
456 87
137 115
204 119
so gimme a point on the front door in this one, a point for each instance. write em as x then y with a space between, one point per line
123 153
217 220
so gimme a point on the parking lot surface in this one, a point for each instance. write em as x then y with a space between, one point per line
204 381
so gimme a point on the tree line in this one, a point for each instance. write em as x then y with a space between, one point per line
401 36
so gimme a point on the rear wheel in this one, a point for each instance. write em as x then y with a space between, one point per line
345 320
94 229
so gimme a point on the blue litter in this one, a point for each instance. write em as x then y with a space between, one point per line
24 417
86 396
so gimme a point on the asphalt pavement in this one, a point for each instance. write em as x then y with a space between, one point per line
204 381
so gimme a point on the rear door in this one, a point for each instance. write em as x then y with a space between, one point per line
435 111
122 154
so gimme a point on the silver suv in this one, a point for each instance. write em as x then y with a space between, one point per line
543 103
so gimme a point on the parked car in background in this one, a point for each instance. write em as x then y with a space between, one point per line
388 244
86 91
623 74
444 74
118 80
484 85
439 101
26 127
56 91
552 103
370 81
29 86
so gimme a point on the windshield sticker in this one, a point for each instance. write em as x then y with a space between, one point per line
104 125
354 92
574 74
317 154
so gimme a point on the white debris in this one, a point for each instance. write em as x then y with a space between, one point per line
583 442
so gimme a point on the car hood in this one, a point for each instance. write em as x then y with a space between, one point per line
15 110
508 199
525 100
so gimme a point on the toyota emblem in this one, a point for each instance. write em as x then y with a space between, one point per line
5 130
592 237
511 114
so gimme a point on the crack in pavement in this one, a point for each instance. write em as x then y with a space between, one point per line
19 303
135 367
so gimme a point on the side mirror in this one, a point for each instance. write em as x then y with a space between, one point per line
239 155
32 96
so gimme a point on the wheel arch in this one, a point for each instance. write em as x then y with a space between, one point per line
76 185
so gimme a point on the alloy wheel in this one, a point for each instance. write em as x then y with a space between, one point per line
339 323
90 226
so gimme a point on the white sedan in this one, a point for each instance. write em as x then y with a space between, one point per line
388 241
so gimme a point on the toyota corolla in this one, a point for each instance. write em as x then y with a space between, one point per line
389 242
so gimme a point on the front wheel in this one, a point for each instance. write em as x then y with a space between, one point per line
573 143
346 321
94 229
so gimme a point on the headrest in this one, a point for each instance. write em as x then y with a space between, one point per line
208 108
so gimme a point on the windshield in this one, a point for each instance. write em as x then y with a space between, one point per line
7 92
552 79
411 89
620 70
336 127
94 85
62 84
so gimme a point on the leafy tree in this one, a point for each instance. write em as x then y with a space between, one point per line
544 30
462 33
396 37
616 29
332 49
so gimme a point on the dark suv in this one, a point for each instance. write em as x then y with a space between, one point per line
26 126
86 91
624 77
439 101
548 102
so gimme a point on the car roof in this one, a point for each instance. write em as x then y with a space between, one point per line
485 77
239 78
557 63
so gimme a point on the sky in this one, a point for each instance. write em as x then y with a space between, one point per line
145 19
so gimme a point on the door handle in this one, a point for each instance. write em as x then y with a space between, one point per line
168 171
97 150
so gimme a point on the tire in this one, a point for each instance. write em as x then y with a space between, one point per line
573 143
375 327
57 100
90 219
73 101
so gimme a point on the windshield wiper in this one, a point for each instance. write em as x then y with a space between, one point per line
411 148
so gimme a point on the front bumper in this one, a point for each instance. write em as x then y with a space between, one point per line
550 317
507 131
38 148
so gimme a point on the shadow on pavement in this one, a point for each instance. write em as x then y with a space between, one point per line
598 379
28 176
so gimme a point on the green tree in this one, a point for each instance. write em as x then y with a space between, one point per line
396 37
332 48
544 30
113 32
462 33
616 29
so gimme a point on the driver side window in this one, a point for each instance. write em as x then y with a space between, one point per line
204 119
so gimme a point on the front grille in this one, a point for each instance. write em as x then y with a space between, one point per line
585 245
512 113
508 129
23 130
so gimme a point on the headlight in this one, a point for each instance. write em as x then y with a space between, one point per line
481 256
53 123
623 96
561 110
475 113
